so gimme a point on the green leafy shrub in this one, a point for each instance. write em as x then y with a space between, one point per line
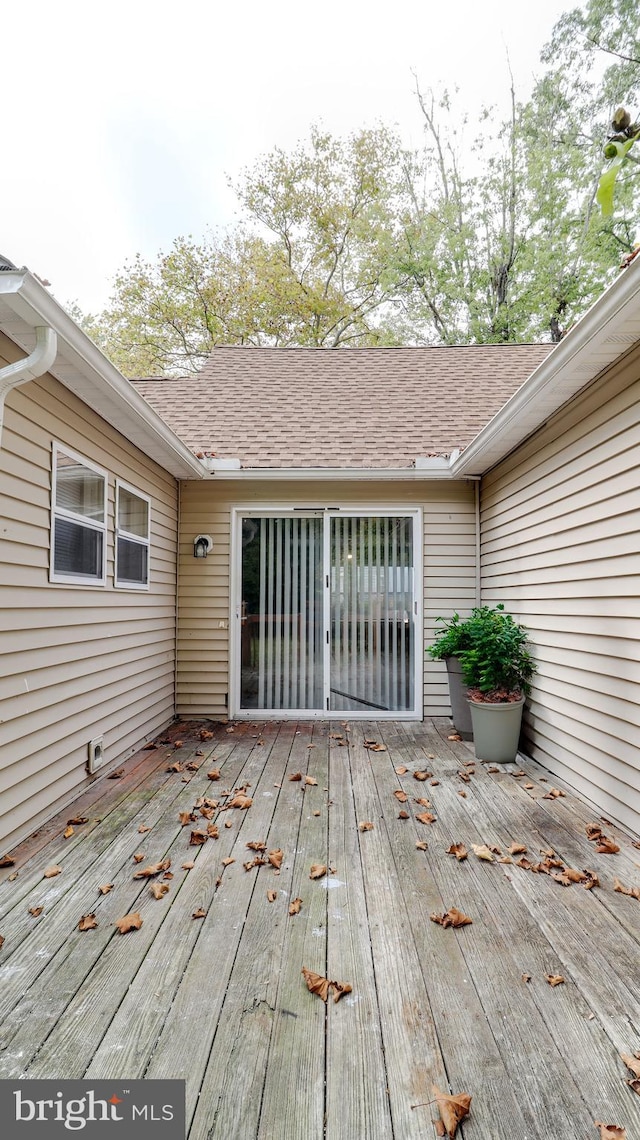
451 639
495 658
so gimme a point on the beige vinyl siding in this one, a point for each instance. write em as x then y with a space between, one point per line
560 527
449 553
76 662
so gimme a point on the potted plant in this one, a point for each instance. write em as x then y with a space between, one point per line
451 640
497 668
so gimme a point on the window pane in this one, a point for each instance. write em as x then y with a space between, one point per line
133 560
133 513
77 550
79 489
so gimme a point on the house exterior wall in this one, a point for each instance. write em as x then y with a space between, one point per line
76 662
449 555
560 525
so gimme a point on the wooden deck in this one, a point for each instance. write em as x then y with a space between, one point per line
220 1000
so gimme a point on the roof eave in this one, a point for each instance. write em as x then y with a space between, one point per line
439 470
606 331
82 368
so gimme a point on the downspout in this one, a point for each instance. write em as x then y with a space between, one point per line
478 575
36 364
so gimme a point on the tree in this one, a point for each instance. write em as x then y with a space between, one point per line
489 233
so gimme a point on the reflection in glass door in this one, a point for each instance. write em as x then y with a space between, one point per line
328 613
372 614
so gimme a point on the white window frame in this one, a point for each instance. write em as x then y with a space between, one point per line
83 520
119 532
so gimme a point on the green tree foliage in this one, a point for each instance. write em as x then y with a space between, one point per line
488 233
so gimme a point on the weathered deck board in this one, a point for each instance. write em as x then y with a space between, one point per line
220 1001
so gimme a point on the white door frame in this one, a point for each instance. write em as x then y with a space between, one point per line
360 510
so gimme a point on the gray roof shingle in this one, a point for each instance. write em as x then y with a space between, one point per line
340 408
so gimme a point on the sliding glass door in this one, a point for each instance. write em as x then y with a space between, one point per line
327 613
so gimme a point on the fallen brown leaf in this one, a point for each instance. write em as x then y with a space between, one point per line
212 830
158 890
422 775
176 767
79 819
311 781
36 910
240 801
606 846
318 871
451 917
132 921
610 1131
403 815
459 850
402 770
463 794
7 861
401 796
366 825
426 817
434 783
228 861
188 866
117 775
199 913
1 941
214 774
421 845
493 770
294 906
517 849
197 838
465 776
256 845
554 979
529 786
592 880
633 892
316 984
105 888
373 746
452 1109
272 896
632 1063
340 989
152 869
87 922
483 852
454 736
51 872
575 876
423 801
295 777
67 833
526 977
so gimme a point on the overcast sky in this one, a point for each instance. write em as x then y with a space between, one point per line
124 118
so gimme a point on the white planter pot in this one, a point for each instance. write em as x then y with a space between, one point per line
460 714
496 730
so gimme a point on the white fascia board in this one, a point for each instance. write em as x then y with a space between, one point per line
86 371
336 474
606 331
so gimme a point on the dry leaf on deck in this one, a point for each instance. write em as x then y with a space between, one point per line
529 787
340 989
275 858
143 827
311 780
117 775
575 876
175 767
105 888
294 906
553 794
421 845
452 1109
402 770
295 777
607 846
212 830
228 861
434 783
554 979
79 819
517 849
451 917
482 852
403 815
316 984
67 833
239 801
366 825
493 770
158 890
463 794
153 869
1 941
526 977
197 837
634 892
465 776
36 910
204 734
593 830
425 817
199 913
87 922
401 796
51 872
228 823
272 896
422 775
214 774
454 736
610 1131
592 880
632 1063
318 871
256 845
459 850
188 866
186 817
132 921
7 861
422 801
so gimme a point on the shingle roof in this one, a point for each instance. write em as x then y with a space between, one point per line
357 407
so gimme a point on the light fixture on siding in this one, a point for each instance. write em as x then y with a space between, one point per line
202 545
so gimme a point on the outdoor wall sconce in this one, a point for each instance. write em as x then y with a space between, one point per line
202 545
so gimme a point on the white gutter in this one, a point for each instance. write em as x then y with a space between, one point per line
35 364
439 470
607 330
86 371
